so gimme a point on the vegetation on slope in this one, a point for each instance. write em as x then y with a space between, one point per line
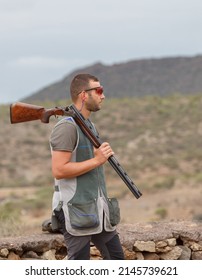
156 139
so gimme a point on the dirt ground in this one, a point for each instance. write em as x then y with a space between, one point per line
176 204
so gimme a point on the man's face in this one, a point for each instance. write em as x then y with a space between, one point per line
95 96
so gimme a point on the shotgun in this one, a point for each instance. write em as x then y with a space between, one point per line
23 112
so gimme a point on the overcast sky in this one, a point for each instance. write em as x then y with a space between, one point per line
42 41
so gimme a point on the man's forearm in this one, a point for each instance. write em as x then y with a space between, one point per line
74 169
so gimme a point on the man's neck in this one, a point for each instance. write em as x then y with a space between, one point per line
83 110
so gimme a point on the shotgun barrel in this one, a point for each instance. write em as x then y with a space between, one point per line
88 130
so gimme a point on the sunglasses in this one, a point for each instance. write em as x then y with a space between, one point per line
99 90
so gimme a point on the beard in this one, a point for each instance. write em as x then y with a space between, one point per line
92 105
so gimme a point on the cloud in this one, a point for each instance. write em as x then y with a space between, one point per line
38 62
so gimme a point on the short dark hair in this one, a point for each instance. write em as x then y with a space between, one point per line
79 83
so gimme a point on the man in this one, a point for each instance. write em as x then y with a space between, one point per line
80 201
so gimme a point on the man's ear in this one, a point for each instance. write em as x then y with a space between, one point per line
83 96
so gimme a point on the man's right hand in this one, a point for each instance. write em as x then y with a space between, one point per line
103 152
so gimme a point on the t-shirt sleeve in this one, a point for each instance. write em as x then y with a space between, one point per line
63 137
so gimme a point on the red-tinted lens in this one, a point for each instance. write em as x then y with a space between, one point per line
99 90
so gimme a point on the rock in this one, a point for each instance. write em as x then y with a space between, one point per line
174 254
186 253
13 256
151 256
196 255
4 252
129 255
148 246
30 255
49 255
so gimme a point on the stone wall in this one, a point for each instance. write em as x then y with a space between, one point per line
179 240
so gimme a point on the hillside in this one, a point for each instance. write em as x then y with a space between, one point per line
162 77
156 139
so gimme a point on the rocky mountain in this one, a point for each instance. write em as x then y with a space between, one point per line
161 76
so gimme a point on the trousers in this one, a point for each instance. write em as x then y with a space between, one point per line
78 247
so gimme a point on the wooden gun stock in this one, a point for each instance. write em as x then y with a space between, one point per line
23 112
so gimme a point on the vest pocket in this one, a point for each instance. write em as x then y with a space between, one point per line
114 211
83 216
